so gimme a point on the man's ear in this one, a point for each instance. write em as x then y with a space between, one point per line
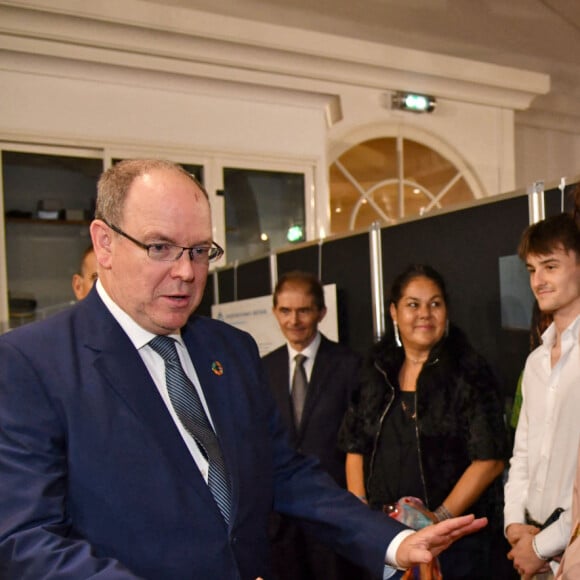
321 314
77 284
102 242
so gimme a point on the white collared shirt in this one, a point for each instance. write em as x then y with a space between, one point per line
543 466
156 367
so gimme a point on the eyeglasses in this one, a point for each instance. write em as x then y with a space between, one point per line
164 252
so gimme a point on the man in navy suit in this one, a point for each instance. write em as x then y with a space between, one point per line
331 371
99 475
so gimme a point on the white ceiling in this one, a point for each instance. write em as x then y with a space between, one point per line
537 35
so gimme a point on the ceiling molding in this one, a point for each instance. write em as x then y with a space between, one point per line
136 35
549 120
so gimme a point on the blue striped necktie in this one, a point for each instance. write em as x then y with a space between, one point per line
188 407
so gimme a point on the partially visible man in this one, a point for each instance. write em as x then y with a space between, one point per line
139 441
84 279
312 416
537 514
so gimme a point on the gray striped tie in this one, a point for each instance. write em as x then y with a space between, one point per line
188 407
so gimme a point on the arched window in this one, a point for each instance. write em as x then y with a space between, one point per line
388 178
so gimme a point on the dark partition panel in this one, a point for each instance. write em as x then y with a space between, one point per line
206 303
253 279
248 280
345 262
465 247
304 258
553 200
226 285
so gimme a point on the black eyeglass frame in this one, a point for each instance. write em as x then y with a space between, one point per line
217 253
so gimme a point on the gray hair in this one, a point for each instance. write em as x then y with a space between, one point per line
115 182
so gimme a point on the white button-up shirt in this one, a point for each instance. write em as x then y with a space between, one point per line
543 466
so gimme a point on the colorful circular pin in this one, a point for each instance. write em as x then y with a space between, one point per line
216 368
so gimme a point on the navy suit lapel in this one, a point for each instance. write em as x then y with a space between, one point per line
125 374
280 373
323 365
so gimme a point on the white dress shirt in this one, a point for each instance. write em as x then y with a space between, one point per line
156 367
543 465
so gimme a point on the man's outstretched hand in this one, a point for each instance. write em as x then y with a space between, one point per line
422 546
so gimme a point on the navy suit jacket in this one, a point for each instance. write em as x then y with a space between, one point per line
95 480
335 375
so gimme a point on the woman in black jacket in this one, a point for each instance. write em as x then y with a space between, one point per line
428 422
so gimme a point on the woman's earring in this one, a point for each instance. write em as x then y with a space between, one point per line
397 337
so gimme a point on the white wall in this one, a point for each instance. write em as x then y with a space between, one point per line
545 155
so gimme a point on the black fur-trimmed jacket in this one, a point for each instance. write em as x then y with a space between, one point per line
459 414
